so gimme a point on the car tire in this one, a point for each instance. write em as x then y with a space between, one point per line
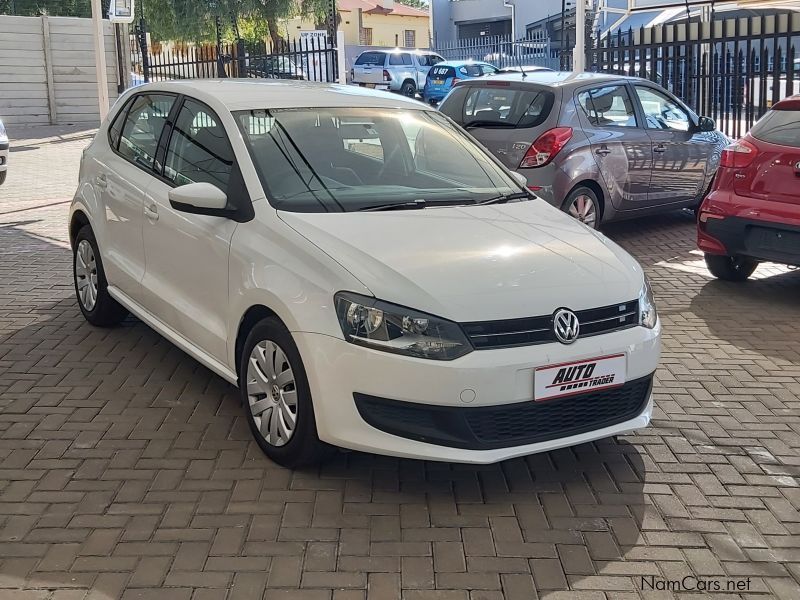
274 392
408 89
583 205
91 286
730 268
3 177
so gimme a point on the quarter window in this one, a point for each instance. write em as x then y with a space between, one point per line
608 106
142 128
400 59
199 150
660 112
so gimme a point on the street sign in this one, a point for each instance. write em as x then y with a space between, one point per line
120 11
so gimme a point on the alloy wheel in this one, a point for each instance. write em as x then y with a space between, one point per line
86 275
583 209
272 393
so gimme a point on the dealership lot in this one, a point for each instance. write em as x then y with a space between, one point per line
126 467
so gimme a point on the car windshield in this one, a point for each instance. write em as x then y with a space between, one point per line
348 159
780 127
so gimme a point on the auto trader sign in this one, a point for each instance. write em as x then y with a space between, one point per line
315 64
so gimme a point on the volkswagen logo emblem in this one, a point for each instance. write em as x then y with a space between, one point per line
566 326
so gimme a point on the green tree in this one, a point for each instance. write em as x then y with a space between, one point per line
420 4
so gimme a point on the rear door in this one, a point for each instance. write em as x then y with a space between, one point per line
368 68
620 145
774 174
680 154
505 117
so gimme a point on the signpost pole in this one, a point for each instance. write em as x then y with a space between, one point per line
100 58
579 55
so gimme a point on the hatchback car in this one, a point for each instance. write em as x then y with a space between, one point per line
287 237
445 75
4 145
753 211
599 147
395 70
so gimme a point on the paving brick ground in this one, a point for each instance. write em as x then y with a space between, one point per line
127 471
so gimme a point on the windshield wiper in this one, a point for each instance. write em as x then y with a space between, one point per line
487 123
505 198
395 206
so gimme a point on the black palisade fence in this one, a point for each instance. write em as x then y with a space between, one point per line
731 70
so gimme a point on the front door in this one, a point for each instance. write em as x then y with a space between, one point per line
122 178
620 146
680 153
186 278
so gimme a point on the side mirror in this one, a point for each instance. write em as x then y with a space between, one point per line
198 198
521 179
706 124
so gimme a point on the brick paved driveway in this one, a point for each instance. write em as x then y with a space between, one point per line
127 470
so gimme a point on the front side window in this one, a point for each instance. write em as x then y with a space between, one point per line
608 106
199 150
661 112
489 70
347 159
142 128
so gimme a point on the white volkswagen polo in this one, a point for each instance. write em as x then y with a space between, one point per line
367 275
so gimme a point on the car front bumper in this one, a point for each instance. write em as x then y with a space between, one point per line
759 229
495 384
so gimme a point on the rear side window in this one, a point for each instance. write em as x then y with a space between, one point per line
442 72
506 107
400 59
375 59
470 70
142 128
780 127
608 106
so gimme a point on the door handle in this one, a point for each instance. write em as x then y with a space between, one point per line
151 212
101 182
602 151
660 148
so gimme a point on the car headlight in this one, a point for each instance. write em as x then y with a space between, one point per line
648 315
383 326
3 134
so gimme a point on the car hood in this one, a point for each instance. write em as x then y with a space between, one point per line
471 263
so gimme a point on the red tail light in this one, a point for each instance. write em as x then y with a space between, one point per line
546 146
738 155
386 75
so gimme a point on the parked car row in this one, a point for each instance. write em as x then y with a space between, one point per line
366 273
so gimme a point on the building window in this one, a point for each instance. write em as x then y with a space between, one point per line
410 38
366 36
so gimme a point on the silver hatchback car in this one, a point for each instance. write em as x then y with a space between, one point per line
401 71
599 147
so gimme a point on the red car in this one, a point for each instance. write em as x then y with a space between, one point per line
753 210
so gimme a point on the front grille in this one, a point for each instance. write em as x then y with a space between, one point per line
508 333
507 425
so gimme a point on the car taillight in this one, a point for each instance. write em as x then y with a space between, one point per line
386 75
738 155
546 146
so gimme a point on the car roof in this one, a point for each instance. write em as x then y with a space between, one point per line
394 50
460 63
562 79
788 103
249 94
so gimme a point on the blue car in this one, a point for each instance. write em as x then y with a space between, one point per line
443 76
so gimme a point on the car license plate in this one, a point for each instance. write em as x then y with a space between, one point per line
438 81
371 85
580 377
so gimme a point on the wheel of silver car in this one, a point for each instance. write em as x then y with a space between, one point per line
276 396
272 393
91 287
86 275
583 205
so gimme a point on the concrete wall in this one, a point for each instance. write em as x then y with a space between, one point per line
47 70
